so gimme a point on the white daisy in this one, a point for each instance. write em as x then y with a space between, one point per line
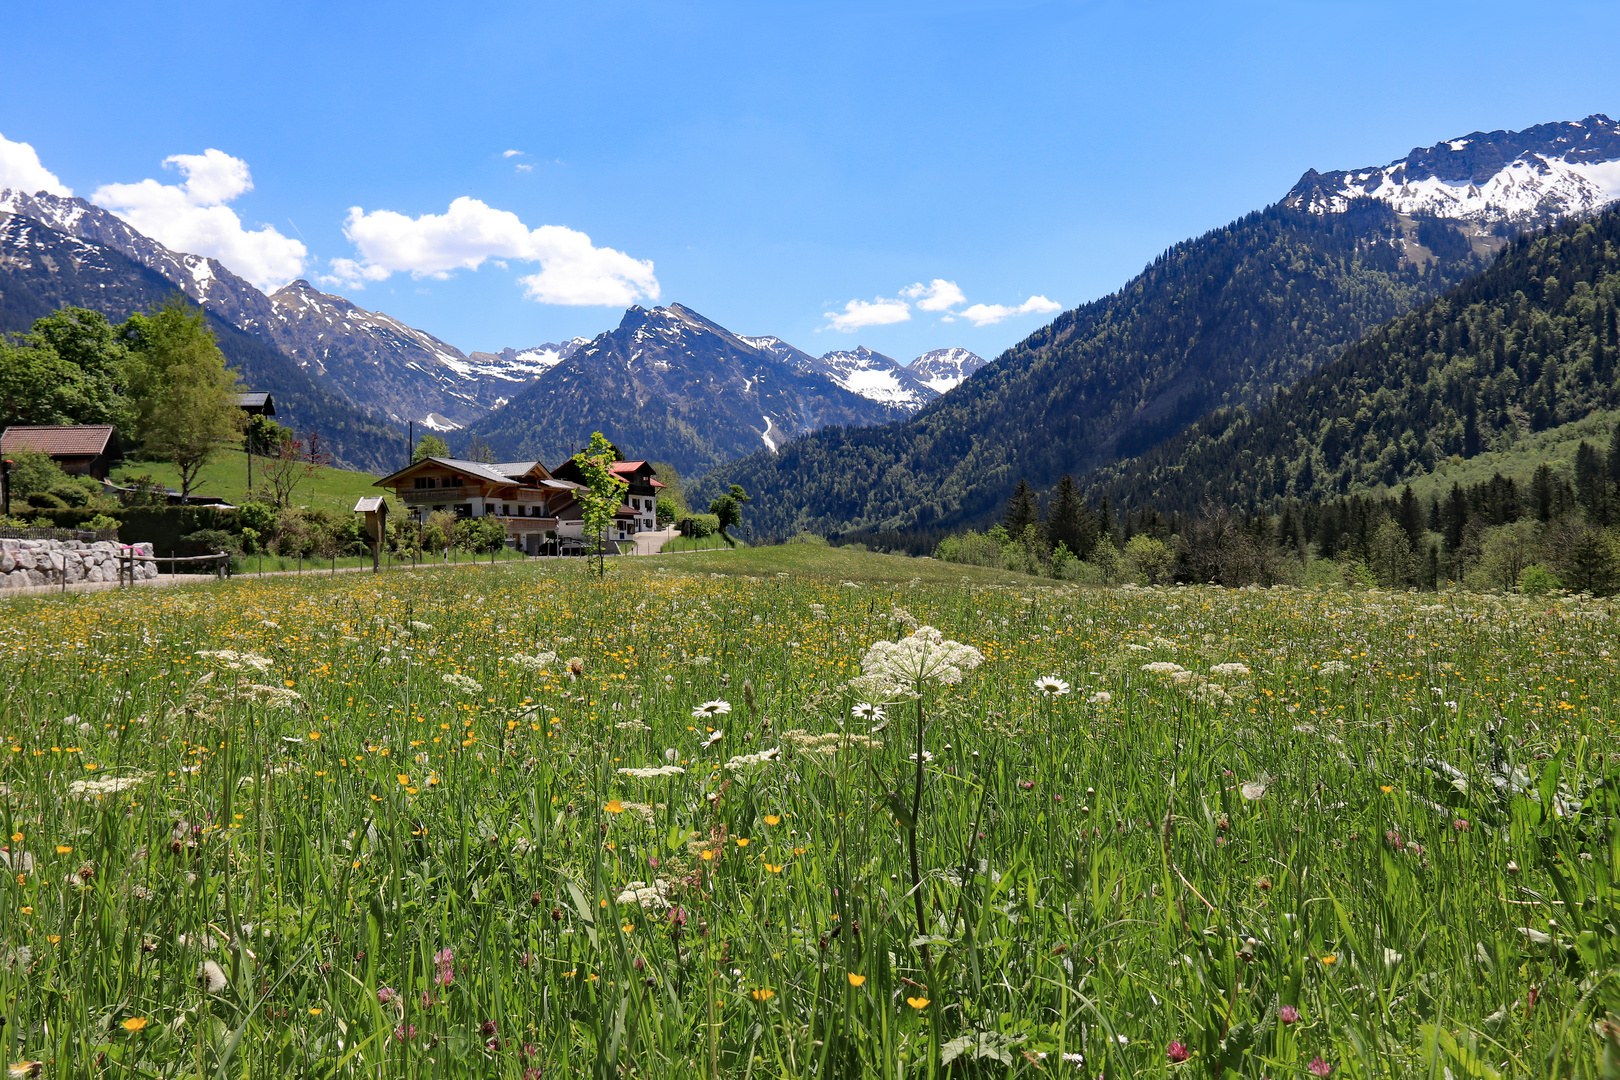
713 738
711 708
1051 686
865 710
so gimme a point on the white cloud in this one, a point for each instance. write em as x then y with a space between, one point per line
990 314
860 313
20 169
525 168
191 216
512 153
937 295
572 270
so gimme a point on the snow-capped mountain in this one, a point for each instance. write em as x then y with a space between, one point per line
906 387
942 370
670 385
521 365
1528 177
372 359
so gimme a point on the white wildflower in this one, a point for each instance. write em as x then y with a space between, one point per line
212 977
1254 790
417 624
745 761
1162 667
865 710
461 682
714 737
893 669
1051 686
1229 669
107 785
653 897
1101 697
711 708
652 772
536 663
1334 667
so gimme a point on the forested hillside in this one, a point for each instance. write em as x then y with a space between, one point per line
1228 318
1529 344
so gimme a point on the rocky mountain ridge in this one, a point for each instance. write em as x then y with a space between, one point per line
1527 177
375 361
43 269
881 378
673 386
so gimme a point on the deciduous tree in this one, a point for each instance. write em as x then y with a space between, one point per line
184 395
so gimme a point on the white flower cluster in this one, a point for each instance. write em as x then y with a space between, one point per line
461 682
743 762
277 697
895 669
654 897
652 773
536 663
1162 667
417 624
1334 667
1230 669
107 785
236 661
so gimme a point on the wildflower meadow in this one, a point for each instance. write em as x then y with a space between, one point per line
511 821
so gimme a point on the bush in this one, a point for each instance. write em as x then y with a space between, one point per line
699 525
211 541
71 494
1537 580
101 521
807 538
34 472
44 500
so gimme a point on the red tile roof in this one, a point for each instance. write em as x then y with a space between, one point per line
84 440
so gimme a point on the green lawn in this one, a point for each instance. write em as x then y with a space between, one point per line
226 478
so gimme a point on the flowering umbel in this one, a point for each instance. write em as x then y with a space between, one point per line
899 669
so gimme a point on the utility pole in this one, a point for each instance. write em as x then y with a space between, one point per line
5 487
410 442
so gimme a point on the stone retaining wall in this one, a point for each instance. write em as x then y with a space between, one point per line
41 562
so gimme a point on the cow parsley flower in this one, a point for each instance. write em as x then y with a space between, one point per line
461 682
1230 669
900 669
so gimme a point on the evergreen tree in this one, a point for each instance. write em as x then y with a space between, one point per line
1542 492
1614 452
1022 510
1410 517
1592 484
1068 522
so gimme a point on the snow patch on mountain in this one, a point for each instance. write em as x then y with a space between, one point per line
1528 177
943 370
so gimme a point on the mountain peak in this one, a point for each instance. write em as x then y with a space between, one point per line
1524 177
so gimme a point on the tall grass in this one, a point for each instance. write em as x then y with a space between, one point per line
1393 816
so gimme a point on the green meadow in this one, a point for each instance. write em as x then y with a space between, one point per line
514 821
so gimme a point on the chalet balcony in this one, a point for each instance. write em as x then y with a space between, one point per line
436 495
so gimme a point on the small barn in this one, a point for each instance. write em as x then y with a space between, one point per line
80 449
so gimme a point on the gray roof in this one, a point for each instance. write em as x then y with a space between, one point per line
513 468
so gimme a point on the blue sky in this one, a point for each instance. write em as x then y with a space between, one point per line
773 162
